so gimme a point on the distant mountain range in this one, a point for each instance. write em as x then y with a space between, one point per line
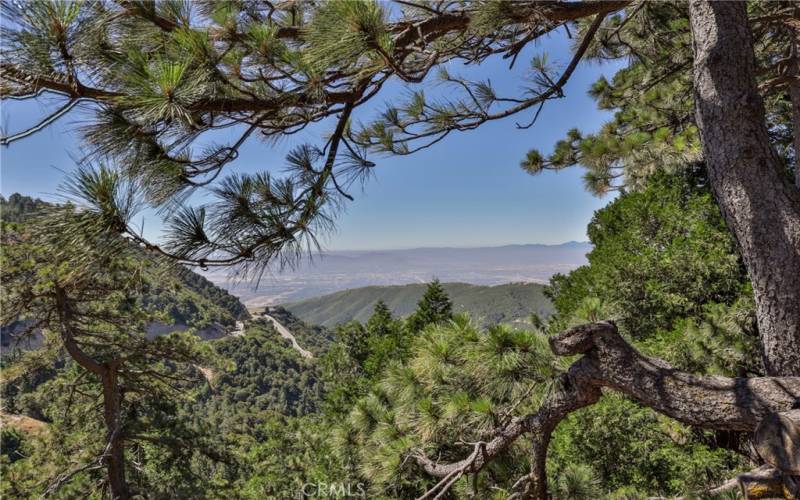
342 270
509 303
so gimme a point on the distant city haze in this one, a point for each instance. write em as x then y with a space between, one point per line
340 270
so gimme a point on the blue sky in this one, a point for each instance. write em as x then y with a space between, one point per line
468 190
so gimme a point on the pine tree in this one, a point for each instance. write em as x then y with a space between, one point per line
162 76
434 307
457 384
380 323
79 291
354 338
389 341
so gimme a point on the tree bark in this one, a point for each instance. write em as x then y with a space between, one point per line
759 204
574 395
115 443
777 441
794 99
710 402
114 454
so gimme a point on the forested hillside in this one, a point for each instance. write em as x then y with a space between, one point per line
262 420
312 337
488 305
178 297
669 367
19 207
266 376
224 416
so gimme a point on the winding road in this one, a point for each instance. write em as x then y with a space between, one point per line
282 331
238 330
285 333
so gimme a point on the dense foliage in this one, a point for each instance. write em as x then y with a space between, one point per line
665 267
660 254
653 125
248 416
269 377
213 426
114 393
173 294
376 392
82 304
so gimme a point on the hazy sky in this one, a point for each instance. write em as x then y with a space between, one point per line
468 190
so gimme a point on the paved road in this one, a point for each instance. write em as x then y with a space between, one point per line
239 330
285 333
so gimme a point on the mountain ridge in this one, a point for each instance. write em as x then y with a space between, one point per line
504 303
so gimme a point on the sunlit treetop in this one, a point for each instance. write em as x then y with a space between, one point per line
160 77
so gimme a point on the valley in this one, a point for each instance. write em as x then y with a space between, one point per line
335 271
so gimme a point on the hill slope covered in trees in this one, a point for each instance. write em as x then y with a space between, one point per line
670 368
182 298
512 302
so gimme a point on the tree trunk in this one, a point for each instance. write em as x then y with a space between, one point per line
794 98
115 450
114 456
759 204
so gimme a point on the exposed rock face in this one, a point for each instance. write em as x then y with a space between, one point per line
18 336
211 332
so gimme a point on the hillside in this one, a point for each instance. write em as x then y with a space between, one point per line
488 304
268 376
311 337
184 298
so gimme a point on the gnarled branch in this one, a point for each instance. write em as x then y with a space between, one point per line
710 402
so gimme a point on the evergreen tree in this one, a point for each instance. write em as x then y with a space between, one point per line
380 323
343 369
388 341
434 307
80 290
704 81
660 253
360 354
458 383
355 340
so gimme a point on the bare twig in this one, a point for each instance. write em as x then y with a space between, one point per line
6 140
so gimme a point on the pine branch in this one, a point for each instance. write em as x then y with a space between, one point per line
52 118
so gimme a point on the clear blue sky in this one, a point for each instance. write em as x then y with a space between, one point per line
468 190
